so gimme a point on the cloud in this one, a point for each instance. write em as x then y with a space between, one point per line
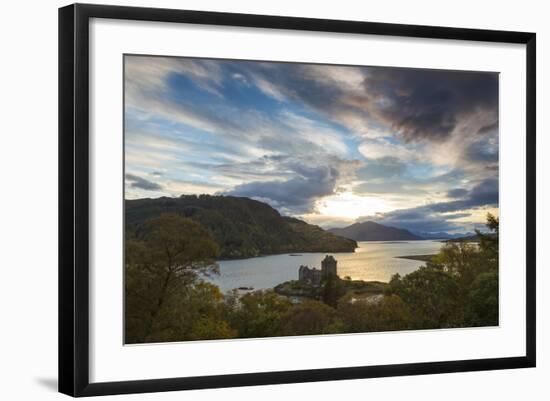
153 94
439 216
306 183
141 183
457 193
433 116
297 194
418 221
240 78
292 134
150 74
382 148
383 168
418 104
404 182
484 193
484 151
268 88
412 104
455 216
488 128
428 104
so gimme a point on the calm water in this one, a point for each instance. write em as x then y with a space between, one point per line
371 261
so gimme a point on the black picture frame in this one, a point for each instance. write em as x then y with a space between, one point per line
74 198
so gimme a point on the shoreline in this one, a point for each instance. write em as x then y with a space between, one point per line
422 258
300 253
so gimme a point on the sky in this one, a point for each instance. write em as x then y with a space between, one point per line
330 144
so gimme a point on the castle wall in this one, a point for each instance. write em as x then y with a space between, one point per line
315 276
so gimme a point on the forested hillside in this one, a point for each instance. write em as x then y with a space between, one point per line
242 227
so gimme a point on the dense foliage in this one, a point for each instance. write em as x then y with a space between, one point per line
167 299
458 288
242 227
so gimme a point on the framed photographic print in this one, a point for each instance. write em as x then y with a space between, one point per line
249 199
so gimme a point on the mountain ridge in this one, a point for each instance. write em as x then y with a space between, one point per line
441 235
241 226
372 231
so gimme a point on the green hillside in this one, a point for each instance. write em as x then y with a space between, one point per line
242 227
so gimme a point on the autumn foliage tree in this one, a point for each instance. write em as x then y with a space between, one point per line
459 288
258 314
311 317
165 298
386 314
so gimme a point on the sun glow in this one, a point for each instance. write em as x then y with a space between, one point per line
347 205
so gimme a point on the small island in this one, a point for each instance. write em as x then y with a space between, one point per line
314 283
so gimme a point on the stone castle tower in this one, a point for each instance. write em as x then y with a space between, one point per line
328 266
315 276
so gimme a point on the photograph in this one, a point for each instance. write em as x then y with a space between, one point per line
269 199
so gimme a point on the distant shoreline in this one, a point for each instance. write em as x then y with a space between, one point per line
282 253
422 258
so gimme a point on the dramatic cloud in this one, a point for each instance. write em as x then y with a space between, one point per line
429 104
418 104
306 184
142 183
482 151
317 141
457 193
483 194
298 194
384 167
441 216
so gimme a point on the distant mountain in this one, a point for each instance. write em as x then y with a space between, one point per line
242 227
441 235
470 238
371 231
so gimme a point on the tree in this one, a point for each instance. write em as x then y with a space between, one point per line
365 315
488 243
459 288
162 278
310 317
462 260
333 290
258 314
432 295
482 306
468 260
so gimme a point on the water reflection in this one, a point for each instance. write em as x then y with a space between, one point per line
370 261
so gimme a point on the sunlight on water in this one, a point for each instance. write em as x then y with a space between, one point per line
371 261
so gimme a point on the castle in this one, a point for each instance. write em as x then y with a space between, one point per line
315 276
